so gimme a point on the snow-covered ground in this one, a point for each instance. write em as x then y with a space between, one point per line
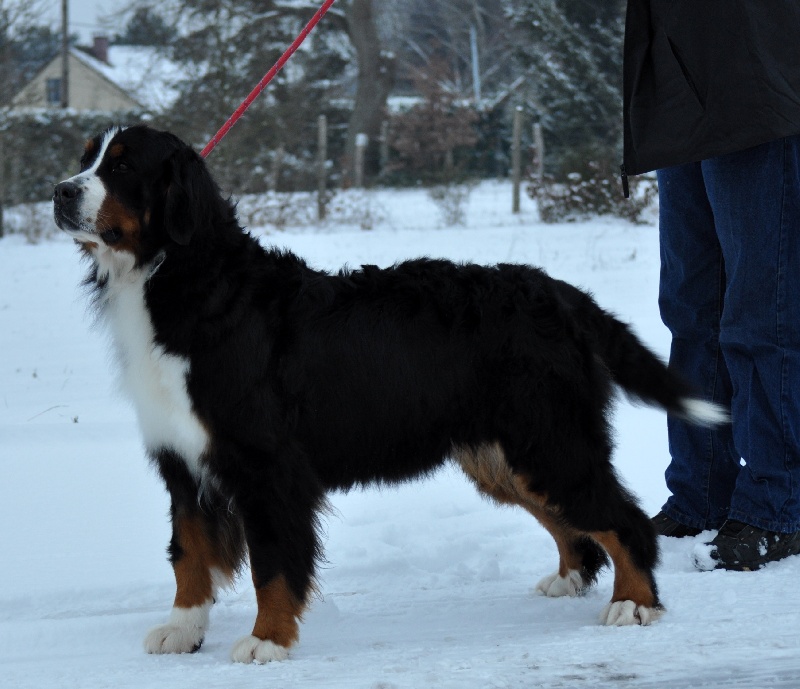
426 585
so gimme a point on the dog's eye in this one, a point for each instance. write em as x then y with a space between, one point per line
121 166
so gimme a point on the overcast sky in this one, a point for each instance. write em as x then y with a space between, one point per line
87 17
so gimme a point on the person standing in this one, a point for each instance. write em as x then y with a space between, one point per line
712 102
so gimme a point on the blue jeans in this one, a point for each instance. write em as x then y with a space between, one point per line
730 296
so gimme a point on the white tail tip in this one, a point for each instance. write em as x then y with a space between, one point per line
705 413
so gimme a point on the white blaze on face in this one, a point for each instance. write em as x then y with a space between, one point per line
93 192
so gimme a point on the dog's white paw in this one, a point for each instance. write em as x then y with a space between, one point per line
252 649
182 634
170 638
556 586
625 612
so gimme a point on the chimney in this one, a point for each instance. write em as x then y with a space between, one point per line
100 48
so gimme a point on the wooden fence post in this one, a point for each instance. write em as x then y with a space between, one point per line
277 164
516 159
361 149
538 146
384 151
322 159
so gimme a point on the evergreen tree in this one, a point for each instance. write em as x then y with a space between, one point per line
23 53
226 48
571 51
33 47
146 27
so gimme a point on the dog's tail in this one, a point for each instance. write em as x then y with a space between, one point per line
634 367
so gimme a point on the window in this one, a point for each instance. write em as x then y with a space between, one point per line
54 91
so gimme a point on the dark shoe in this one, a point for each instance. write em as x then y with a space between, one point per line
667 526
745 548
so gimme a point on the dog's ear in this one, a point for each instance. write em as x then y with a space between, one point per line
190 198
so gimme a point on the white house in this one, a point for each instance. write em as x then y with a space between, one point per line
107 78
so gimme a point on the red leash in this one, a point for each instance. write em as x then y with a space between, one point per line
267 78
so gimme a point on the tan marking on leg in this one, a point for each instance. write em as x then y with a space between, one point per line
278 613
488 468
565 538
193 569
529 497
630 583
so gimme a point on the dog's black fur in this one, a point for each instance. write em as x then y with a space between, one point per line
306 382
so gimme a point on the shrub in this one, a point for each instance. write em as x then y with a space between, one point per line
43 147
594 189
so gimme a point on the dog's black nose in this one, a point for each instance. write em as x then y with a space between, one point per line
66 192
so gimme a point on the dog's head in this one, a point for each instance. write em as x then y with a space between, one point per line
138 191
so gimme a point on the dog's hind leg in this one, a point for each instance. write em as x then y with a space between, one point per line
632 551
626 536
602 521
580 558
206 550
631 543
605 512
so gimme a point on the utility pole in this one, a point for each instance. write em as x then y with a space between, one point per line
64 53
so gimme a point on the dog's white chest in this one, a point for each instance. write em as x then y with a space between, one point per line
154 379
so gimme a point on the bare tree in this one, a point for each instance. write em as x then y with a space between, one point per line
15 16
446 31
376 70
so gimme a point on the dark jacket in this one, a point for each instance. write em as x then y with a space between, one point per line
707 77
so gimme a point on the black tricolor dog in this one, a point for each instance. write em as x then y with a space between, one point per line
260 384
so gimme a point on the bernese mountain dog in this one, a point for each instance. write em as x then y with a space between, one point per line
261 384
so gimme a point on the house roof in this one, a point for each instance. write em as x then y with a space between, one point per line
141 71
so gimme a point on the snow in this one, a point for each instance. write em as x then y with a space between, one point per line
427 585
703 556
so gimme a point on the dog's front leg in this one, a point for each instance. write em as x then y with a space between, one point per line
276 627
206 549
196 579
283 544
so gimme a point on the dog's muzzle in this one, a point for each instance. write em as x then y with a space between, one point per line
66 203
